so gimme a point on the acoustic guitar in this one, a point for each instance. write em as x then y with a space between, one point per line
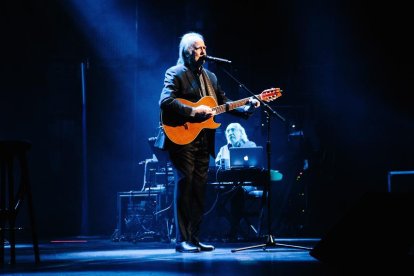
183 131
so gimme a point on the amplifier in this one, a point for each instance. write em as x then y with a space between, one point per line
154 174
137 216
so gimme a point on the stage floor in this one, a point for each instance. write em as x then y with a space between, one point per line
102 256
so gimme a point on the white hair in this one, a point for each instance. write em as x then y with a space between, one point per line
241 129
185 48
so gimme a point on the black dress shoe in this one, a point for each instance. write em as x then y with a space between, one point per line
186 247
205 247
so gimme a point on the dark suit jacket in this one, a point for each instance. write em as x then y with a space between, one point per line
180 82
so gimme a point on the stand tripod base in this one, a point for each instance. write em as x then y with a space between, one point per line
270 243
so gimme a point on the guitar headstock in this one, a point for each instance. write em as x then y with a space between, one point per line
271 94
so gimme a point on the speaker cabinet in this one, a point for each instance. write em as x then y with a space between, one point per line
137 215
379 227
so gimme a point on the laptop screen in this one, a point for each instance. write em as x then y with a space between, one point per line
246 157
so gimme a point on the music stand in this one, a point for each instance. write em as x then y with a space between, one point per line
270 240
162 156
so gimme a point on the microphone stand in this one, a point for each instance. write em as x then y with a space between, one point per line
270 239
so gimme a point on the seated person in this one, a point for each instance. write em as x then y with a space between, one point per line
236 137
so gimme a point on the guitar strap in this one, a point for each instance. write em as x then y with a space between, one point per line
209 86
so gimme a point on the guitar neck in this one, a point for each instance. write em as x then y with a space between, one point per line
231 105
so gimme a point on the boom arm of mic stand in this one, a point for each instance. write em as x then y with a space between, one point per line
271 111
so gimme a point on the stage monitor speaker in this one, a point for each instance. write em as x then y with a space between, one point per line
401 181
379 227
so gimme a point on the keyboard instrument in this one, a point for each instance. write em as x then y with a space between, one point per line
237 176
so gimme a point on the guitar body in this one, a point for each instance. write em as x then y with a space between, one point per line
183 130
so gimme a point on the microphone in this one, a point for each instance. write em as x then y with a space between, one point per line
216 59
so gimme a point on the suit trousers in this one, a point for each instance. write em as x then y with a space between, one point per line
191 163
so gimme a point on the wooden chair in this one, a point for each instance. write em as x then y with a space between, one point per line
14 189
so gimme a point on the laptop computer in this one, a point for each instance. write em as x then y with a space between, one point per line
251 157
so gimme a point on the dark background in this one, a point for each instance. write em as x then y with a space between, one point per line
345 68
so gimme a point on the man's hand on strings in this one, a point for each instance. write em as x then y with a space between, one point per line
204 111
